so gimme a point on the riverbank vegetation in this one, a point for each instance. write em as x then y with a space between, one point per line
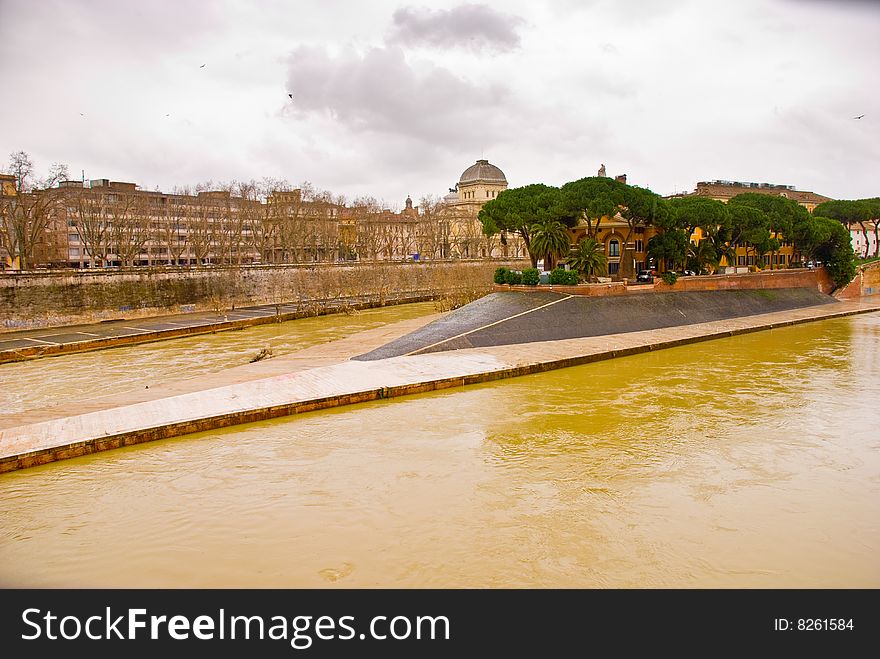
692 233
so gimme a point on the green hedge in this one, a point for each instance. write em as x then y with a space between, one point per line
501 275
564 277
669 277
530 277
513 277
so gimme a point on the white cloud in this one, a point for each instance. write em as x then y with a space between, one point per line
391 100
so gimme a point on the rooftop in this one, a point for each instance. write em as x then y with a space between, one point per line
482 172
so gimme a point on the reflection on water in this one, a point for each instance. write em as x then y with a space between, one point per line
57 380
750 461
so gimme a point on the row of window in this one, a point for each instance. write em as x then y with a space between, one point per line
766 259
490 194
614 247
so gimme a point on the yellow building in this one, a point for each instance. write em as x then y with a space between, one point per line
625 247
7 185
724 191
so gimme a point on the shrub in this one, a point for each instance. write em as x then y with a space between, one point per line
669 278
530 277
501 275
513 277
564 277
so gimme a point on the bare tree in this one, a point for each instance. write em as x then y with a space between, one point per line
175 228
92 220
366 213
200 229
323 213
27 215
430 232
291 210
130 225
468 232
262 217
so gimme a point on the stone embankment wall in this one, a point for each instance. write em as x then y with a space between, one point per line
37 299
795 278
866 282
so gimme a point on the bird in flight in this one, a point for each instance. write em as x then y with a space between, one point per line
291 96
202 66
859 117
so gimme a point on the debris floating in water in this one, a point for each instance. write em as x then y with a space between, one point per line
265 353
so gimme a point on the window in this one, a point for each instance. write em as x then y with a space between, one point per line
741 260
73 237
640 247
750 260
640 265
614 248
613 268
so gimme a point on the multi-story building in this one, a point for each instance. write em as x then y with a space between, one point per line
113 223
865 239
625 245
724 191
479 183
727 190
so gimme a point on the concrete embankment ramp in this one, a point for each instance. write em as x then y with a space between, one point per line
322 377
513 318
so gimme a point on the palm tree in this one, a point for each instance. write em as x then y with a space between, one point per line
588 257
549 239
723 248
702 254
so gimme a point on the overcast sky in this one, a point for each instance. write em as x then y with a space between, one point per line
393 98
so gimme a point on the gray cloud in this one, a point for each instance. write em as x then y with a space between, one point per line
476 27
379 91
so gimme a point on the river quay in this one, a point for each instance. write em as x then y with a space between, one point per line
21 345
326 376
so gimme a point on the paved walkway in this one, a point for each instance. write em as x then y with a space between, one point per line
323 377
20 345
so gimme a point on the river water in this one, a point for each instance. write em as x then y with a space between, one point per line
750 461
57 380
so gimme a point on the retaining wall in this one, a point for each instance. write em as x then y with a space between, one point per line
866 282
38 299
794 278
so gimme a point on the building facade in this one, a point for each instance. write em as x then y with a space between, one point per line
724 191
104 223
479 183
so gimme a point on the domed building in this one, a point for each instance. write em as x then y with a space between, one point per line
479 183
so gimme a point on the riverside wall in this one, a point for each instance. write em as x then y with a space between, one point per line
866 282
54 298
795 278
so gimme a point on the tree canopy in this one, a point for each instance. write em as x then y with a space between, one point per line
517 210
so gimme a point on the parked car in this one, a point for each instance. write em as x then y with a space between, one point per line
645 276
